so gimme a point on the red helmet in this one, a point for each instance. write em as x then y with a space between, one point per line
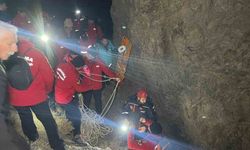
142 93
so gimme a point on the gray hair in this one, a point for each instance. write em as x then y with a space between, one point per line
7 27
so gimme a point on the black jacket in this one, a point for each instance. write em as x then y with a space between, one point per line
8 137
146 110
3 86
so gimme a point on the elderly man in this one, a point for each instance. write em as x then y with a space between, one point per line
8 46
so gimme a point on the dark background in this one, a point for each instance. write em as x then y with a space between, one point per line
97 9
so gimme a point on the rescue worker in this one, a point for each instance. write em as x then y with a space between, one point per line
68 29
8 138
34 98
106 51
68 83
96 67
22 20
67 35
146 138
4 16
94 32
137 105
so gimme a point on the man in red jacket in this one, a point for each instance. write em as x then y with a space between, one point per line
68 83
146 138
96 68
94 32
35 96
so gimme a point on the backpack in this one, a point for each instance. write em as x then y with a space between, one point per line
18 71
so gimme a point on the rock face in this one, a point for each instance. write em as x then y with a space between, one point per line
194 57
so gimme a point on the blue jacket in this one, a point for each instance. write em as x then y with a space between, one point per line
106 54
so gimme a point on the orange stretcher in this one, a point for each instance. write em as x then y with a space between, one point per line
123 58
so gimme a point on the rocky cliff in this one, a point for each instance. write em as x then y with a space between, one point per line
194 58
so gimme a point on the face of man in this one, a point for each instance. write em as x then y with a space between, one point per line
142 100
105 41
8 45
68 30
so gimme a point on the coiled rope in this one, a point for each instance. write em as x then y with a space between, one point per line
92 126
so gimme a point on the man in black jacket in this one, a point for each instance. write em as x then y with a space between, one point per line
139 105
8 39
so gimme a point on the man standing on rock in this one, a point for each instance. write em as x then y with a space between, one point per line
8 39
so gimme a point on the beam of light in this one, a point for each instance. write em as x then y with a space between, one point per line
124 128
45 38
172 144
75 47
77 12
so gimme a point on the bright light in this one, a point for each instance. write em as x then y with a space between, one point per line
124 27
77 12
84 52
124 128
44 38
89 46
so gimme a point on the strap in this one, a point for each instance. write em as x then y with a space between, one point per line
2 68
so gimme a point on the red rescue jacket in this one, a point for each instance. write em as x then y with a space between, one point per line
94 32
96 68
68 83
133 144
60 53
43 78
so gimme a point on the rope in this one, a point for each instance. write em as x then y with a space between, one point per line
92 126
110 101
112 96
106 80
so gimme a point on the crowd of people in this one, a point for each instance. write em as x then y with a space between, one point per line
74 65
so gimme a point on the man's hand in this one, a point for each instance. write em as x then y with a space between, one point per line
142 120
117 80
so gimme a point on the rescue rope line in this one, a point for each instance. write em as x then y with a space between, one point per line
92 126
112 96
106 80
110 101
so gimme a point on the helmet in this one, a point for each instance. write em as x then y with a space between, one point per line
142 93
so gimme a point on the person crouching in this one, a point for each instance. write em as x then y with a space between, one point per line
68 83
